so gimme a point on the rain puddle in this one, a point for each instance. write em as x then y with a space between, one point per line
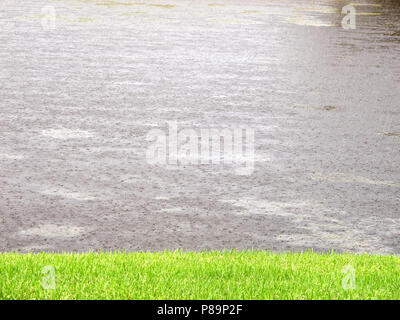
66 133
69 195
53 231
350 178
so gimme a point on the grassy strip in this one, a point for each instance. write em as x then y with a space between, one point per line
198 275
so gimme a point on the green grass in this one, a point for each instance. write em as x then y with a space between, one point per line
198 275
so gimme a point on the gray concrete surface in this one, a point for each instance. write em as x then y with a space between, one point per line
78 100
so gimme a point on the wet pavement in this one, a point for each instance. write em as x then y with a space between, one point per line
79 97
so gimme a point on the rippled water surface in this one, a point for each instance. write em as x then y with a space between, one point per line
77 101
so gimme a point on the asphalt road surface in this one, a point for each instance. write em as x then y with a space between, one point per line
84 83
